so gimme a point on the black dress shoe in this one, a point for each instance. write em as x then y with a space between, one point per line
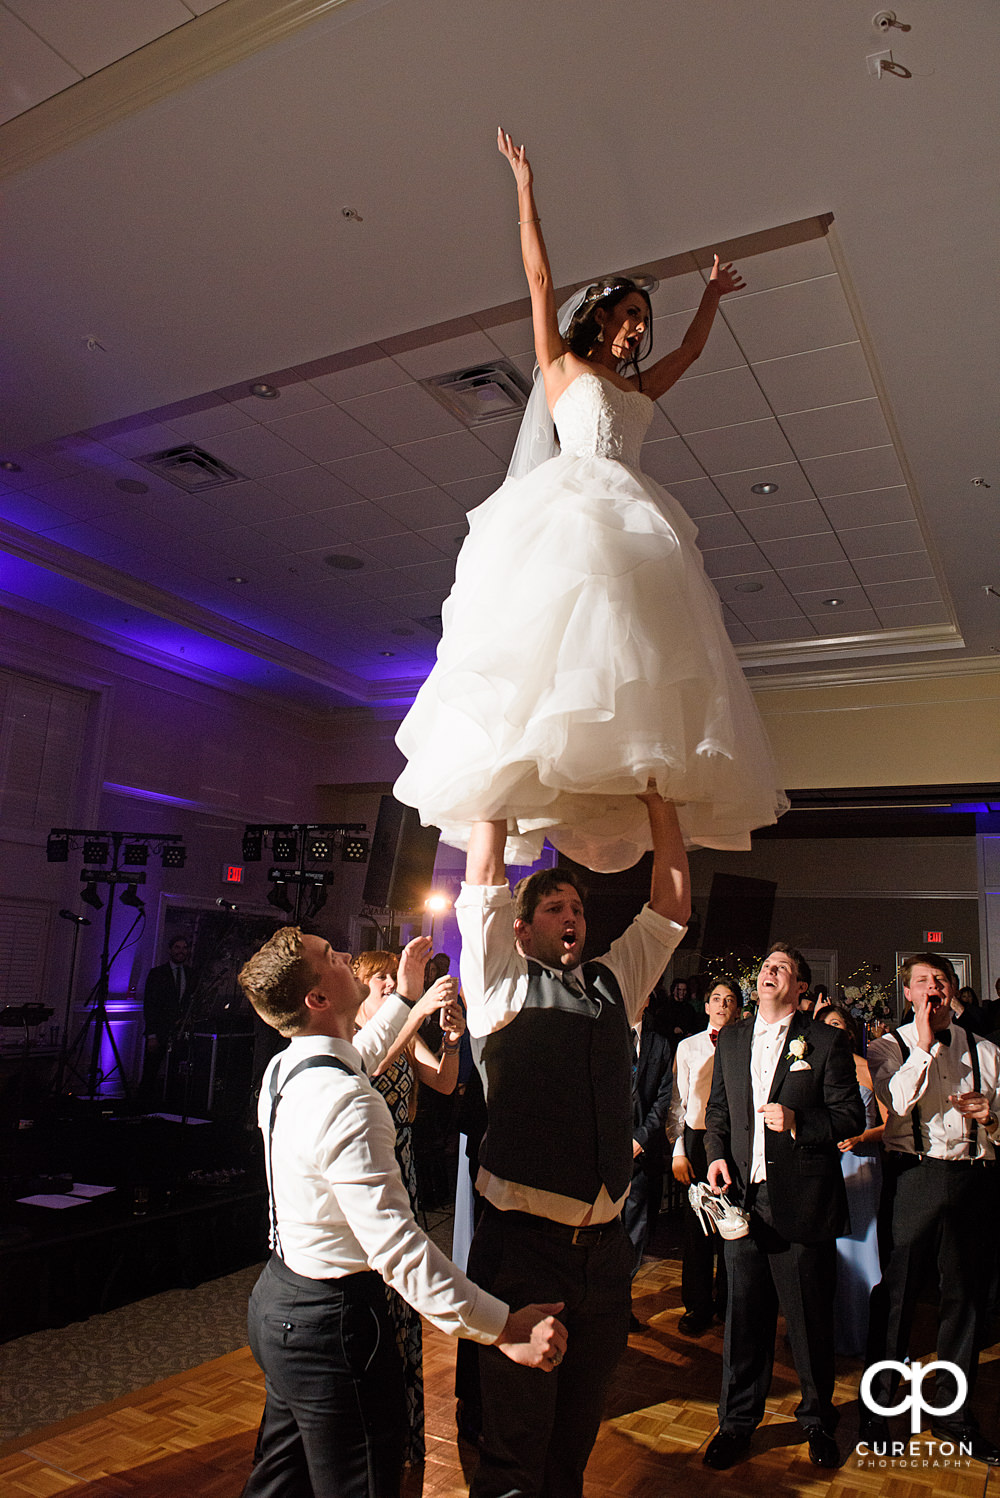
872 1429
693 1326
725 1451
823 1449
969 1442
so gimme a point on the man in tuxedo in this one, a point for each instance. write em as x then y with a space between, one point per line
784 1091
163 1002
652 1085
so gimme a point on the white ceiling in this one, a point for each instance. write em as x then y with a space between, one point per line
175 232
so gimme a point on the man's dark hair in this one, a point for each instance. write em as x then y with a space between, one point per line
528 892
936 960
276 980
802 966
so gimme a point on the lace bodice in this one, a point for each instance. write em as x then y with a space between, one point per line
595 419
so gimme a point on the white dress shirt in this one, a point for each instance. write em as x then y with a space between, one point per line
928 1078
766 1047
339 1198
694 1062
495 986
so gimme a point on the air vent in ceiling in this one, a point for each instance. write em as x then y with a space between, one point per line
191 468
484 393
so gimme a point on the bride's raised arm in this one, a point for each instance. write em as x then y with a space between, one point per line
659 377
550 347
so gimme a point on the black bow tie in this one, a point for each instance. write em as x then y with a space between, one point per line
944 1036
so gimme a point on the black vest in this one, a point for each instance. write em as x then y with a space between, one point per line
559 1089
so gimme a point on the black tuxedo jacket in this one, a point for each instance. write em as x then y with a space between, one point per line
805 1184
160 1006
651 1099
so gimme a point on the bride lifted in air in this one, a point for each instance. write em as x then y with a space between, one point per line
584 654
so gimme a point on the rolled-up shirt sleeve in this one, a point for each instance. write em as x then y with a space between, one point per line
639 956
494 973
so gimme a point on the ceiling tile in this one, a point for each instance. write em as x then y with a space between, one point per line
312 488
721 351
720 530
901 567
360 379
472 492
403 414
911 614
252 504
854 472
822 377
445 460
499 437
706 401
379 473
450 354
670 461
447 538
138 438
428 577
793 486
425 507
882 540
802 551
84 496
772 599
698 496
362 524
660 426
895 595
790 319
784 265
303 532
99 33
783 629
90 540
751 444
836 429
877 507
814 604
776 522
515 337
827 575
31 72
733 561
849 622
33 514
256 452
207 418
675 294
737 632
401 550
325 434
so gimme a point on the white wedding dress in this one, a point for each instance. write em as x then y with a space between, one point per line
583 653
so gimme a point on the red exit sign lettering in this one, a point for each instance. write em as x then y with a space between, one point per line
233 873
933 938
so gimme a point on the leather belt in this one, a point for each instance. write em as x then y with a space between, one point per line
578 1236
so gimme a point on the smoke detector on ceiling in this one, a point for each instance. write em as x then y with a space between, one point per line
484 393
191 468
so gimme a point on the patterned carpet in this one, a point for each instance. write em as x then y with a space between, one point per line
51 1375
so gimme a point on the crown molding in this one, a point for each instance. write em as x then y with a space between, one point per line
196 50
973 665
848 647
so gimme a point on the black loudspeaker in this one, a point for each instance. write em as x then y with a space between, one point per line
739 916
401 862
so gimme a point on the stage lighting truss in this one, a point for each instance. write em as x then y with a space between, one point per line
319 850
253 845
101 847
135 855
173 856
285 847
355 850
96 850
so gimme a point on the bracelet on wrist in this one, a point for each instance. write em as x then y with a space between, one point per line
535 220
451 1047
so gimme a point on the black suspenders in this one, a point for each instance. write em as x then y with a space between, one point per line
915 1120
276 1095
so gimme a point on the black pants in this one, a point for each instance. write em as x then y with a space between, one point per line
539 1430
936 1215
335 1412
642 1205
767 1272
703 1267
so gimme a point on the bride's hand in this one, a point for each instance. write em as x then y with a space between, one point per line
726 277
519 163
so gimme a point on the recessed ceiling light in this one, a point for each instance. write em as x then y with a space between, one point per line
749 588
763 488
832 603
237 579
10 467
343 562
387 652
264 392
131 486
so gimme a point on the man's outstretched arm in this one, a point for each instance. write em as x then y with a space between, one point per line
484 856
670 890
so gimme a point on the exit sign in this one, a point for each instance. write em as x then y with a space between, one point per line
933 938
232 873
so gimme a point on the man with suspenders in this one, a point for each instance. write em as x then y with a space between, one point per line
340 1225
940 1085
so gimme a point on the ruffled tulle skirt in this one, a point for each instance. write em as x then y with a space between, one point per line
584 653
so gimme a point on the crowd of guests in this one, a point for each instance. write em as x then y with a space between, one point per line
846 1166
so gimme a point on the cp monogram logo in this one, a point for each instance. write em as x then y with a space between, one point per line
914 1374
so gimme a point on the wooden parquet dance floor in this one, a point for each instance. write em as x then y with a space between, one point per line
191 1436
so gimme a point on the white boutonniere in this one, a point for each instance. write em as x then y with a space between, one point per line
797 1050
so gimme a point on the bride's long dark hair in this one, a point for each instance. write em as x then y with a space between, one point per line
582 333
